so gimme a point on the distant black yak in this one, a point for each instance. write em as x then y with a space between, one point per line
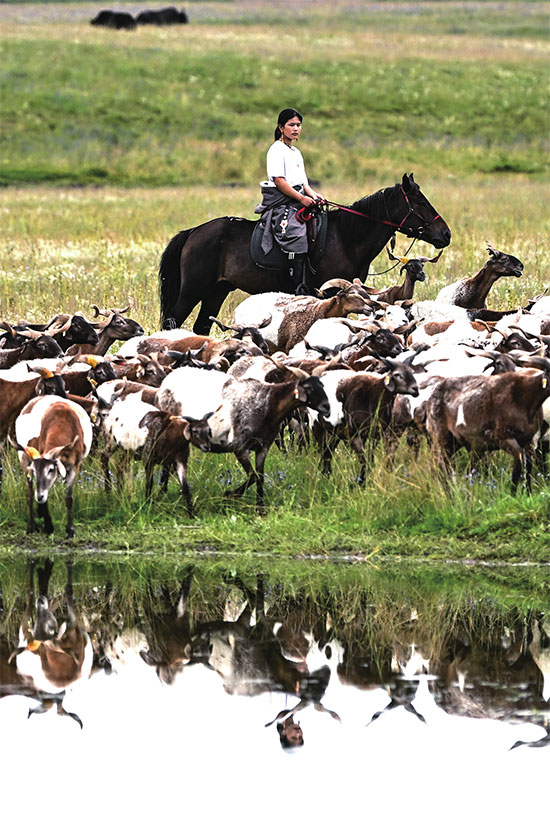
114 20
162 17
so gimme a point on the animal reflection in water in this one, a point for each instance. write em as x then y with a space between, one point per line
54 652
483 670
505 677
247 655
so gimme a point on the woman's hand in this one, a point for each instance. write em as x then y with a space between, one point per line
305 200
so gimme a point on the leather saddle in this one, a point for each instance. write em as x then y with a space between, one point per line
276 258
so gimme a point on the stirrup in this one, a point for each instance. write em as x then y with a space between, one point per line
169 323
302 289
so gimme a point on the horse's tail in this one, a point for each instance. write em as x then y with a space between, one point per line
170 275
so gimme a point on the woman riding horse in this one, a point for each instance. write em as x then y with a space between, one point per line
285 191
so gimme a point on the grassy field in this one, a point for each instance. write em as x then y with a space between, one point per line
171 128
198 103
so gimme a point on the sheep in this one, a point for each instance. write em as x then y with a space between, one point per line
53 436
471 293
292 316
161 438
360 407
115 328
487 413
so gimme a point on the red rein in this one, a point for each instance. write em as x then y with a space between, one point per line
303 214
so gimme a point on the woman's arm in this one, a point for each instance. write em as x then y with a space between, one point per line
285 187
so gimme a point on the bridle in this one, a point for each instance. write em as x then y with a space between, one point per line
399 227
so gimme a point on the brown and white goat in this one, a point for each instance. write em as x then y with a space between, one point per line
292 316
471 293
160 438
53 654
360 410
488 413
53 436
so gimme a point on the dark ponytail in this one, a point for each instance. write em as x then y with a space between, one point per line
284 117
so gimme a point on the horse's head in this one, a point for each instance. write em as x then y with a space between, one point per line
414 215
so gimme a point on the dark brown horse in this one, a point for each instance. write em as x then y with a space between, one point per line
205 263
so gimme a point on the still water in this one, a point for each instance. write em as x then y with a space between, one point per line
207 693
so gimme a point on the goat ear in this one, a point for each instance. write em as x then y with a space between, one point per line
61 469
389 382
300 394
186 432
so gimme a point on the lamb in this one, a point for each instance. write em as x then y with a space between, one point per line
53 436
161 438
414 272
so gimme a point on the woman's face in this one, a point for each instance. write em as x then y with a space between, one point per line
291 130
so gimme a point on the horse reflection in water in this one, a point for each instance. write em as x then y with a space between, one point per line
51 657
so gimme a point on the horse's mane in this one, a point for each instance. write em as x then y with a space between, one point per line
349 226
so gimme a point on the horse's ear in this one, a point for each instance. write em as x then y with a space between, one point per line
407 181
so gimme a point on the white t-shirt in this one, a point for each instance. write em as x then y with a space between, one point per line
286 162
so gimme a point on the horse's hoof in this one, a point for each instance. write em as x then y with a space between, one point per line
169 323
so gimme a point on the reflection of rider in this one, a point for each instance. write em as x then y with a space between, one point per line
285 192
312 690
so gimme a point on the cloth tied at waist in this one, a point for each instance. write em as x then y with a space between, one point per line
279 213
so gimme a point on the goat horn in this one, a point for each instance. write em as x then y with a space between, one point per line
222 326
31 333
301 374
537 361
266 322
342 283
524 332
8 328
60 326
42 372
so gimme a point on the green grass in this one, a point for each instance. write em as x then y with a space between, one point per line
164 111
127 137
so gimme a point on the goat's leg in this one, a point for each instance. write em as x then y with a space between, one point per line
164 476
511 446
244 460
181 470
149 472
31 527
326 445
44 512
357 446
108 486
260 461
71 476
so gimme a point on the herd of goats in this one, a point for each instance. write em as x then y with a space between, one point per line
450 370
